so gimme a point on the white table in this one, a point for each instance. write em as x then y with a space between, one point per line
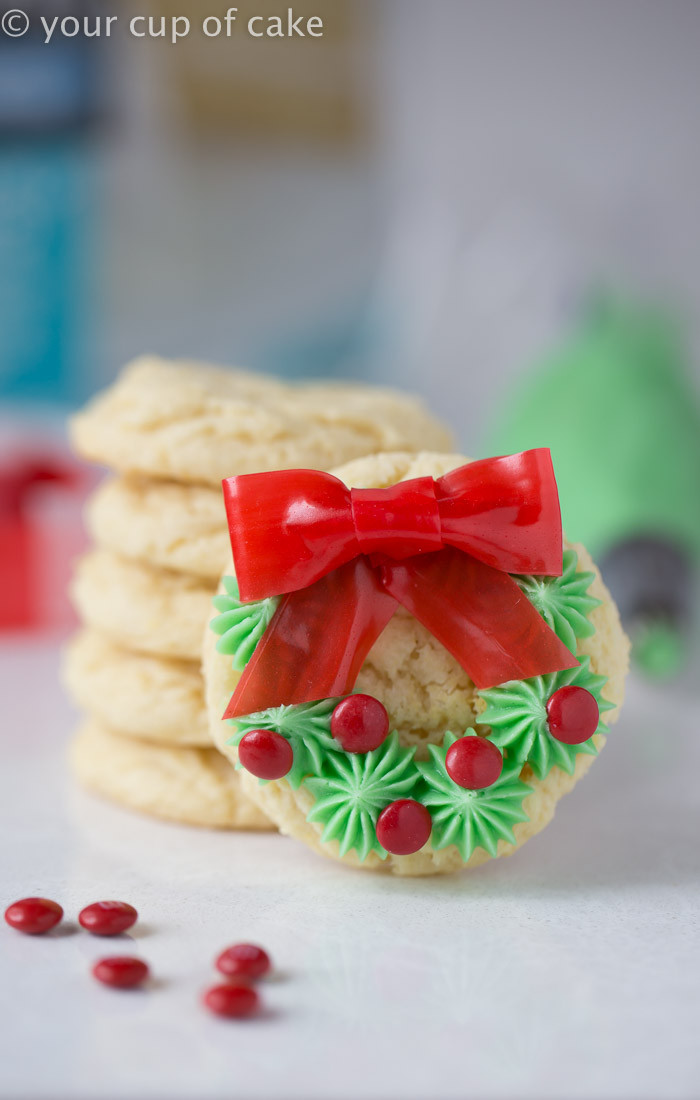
568 971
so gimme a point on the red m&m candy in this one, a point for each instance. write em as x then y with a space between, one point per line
107 918
403 827
233 1001
572 715
473 763
33 915
360 723
266 754
243 960
121 971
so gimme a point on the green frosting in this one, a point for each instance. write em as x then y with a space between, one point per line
241 625
563 602
517 715
471 819
307 727
354 788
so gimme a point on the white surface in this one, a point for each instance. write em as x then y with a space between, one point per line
568 971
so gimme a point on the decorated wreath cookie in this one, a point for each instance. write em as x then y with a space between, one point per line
406 662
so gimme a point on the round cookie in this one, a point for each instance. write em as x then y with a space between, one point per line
142 608
162 523
151 698
188 785
196 423
427 693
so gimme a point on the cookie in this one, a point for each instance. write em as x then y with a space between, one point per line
188 785
152 698
141 608
332 799
194 423
163 523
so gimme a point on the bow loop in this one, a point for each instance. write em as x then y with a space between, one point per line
505 512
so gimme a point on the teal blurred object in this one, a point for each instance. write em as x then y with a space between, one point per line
44 304
618 409
50 99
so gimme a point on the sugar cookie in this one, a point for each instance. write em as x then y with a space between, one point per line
136 695
449 734
142 608
195 423
188 785
162 523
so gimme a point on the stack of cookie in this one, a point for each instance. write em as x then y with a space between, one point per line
170 432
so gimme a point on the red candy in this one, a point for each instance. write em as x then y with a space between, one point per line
121 971
473 762
233 1001
107 918
403 827
243 960
33 915
360 723
266 754
572 715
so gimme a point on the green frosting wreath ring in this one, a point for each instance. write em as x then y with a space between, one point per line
350 790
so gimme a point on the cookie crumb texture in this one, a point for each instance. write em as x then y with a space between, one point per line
187 785
426 694
197 423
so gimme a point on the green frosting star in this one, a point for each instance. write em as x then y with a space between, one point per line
354 788
563 602
307 727
471 819
241 625
517 715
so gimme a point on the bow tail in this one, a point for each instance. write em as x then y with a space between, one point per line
479 614
316 642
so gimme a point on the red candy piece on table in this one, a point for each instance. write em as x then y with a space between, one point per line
107 918
403 827
243 960
266 754
121 971
360 723
33 915
572 715
232 1001
473 763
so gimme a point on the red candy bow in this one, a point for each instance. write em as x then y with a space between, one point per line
346 557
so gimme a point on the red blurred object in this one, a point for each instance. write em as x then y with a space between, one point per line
121 971
232 1001
243 960
40 533
346 557
34 916
107 918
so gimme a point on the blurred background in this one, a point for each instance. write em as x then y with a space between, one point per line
491 202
